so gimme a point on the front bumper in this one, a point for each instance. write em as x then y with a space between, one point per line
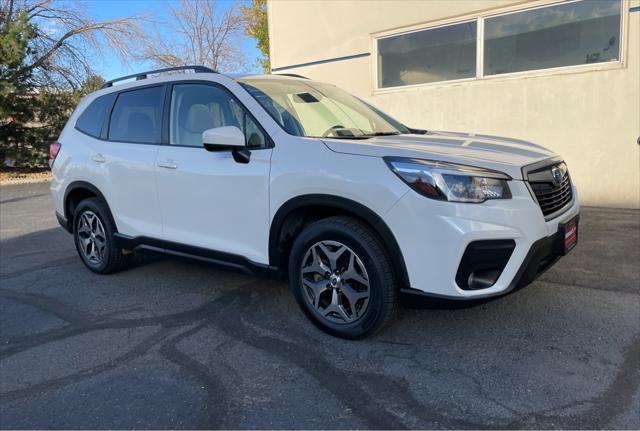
433 236
541 256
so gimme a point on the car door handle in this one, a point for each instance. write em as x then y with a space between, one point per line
98 158
168 164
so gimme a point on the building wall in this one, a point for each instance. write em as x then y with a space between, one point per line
591 116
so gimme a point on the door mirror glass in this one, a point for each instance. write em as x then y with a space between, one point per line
223 138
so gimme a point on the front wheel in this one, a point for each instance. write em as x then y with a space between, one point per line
342 277
93 232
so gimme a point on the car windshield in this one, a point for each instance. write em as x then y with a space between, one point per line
312 109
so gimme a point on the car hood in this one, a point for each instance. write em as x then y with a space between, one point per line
490 152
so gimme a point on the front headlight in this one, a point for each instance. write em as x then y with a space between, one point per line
449 181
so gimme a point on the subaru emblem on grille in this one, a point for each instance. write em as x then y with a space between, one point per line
556 174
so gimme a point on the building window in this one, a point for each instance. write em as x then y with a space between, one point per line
570 34
563 34
439 54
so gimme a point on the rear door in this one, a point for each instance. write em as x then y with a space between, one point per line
126 158
208 199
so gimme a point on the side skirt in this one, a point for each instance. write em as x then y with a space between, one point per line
214 257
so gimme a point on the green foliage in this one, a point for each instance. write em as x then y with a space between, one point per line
91 84
257 26
15 109
31 117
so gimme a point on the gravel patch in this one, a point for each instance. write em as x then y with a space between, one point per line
7 178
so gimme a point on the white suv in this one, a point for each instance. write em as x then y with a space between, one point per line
287 177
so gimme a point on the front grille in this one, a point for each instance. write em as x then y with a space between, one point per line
551 193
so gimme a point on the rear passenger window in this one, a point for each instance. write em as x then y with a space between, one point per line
137 116
93 117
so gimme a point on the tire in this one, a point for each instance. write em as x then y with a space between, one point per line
93 230
365 280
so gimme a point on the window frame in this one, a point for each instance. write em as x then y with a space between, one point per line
166 115
479 18
166 108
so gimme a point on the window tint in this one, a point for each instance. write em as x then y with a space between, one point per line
567 34
197 107
137 116
93 117
438 54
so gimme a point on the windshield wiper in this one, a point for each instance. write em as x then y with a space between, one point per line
343 137
370 135
363 136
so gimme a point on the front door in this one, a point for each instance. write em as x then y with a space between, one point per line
208 199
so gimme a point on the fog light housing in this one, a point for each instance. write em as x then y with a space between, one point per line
483 262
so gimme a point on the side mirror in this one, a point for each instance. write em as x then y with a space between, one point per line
223 138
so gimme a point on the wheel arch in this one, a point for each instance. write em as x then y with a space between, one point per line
290 218
75 193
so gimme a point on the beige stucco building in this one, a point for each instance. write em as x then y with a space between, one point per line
562 74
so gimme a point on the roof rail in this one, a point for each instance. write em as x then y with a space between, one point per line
293 75
143 75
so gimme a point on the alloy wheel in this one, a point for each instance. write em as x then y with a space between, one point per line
335 282
92 240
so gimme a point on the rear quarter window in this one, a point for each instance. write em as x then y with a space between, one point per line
92 120
137 116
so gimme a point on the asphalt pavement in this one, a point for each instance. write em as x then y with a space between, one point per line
176 344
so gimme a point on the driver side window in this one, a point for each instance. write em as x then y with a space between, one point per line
198 107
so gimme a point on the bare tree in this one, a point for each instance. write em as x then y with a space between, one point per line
66 41
48 49
197 32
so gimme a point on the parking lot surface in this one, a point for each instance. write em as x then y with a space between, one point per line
173 344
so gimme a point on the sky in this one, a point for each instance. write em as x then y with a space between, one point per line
111 67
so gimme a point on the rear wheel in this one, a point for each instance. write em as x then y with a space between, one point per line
93 232
342 277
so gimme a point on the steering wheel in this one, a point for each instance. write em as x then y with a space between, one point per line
331 129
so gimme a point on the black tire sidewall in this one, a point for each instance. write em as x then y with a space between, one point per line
94 206
373 316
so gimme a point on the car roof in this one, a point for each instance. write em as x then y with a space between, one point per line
162 76
133 82
237 76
